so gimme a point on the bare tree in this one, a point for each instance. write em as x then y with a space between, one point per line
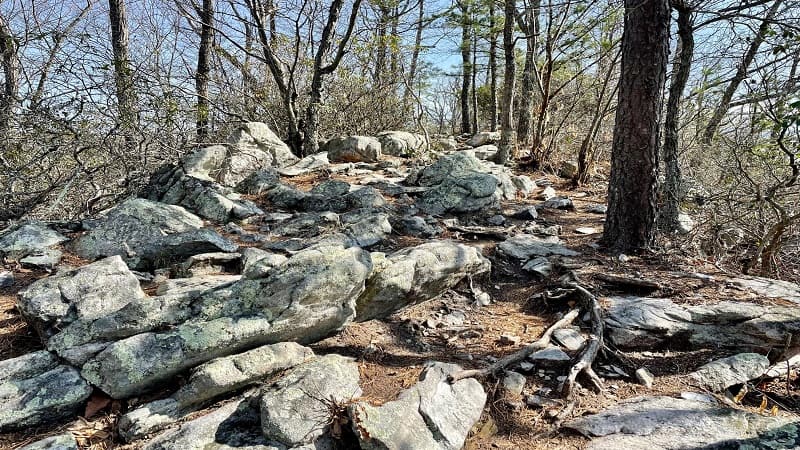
9 100
509 76
203 72
123 71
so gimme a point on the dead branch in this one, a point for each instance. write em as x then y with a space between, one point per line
590 350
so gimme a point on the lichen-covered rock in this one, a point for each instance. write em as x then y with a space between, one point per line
86 293
353 149
47 259
671 423
257 263
60 442
524 247
210 380
293 409
27 239
721 374
196 285
205 163
310 163
259 182
401 143
417 274
366 228
258 136
35 389
434 414
148 234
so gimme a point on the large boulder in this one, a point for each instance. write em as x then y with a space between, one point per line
294 409
252 136
401 143
435 415
353 149
673 423
36 389
417 274
28 239
85 294
205 163
148 234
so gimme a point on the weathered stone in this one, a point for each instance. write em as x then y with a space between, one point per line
485 152
47 259
310 163
524 184
257 263
293 411
285 196
596 209
586 230
366 228
547 193
448 166
549 354
259 182
401 143
525 246
514 383
559 203
27 239
149 234
6 278
205 163
568 169
242 163
209 263
670 423
446 144
417 274
258 136
195 285
569 338
540 266
87 293
416 226
645 377
769 287
353 149
462 193
59 442
483 138
526 213
210 380
35 389
721 374
434 414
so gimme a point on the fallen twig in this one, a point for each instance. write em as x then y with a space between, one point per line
589 353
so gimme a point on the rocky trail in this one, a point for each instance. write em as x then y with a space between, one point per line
249 299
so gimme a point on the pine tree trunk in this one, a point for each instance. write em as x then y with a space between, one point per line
509 75
123 73
492 69
466 66
204 68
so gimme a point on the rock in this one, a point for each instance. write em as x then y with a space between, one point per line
434 414
461 194
586 230
209 263
721 374
210 380
257 263
291 409
596 209
514 383
496 220
366 228
525 246
47 259
485 152
559 203
59 442
526 213
258 182
448 166
416 226
417 274
483 138
569 338
242 163
196 285
547 193
670 423
538 401
646 322
84 294
685 223
35 389
549 354
508 339
524 184
27 239
149 235
6 278
644 377
233 426
768 287
540 266
310 296
401 143
205 163
447 144
310 163
568 169
353 149
258 136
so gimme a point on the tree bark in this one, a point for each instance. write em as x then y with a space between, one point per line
412 72
466 65
630 220
741 74
474 93
492 68
123 72
203 74
528 87
509 77
9 101
672 189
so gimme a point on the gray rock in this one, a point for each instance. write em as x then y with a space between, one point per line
401 143
524 184
596 209
310 296
559 203
633 322
446 144
205 163
258 136
645 377
59 442
47 259
210 380
568 169
434 414
285 196
35 389
570 338
294 409
540 266
670 423
27 239
448 166
769 287
547 193
514 383
196 285
553 354
149 235
464 193
257 263
242 163
209 263
310 163
366 228
259 182
417 274
526 213
84 294
353 149
485 152
721 374
483 138
331 188
6 278
685 223
497 220
416 226
523 247
586 230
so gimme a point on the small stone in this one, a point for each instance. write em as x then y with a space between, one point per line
525 366
723 373
538 401
497 219
559 203
586 230
597 209
47 259
59 442
6 279
540 266
483 299
514 383
569 338
547 193
549 354
527 213
645 377
509 339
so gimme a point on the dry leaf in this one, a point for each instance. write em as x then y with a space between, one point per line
775 410
740 395
763 406
96 403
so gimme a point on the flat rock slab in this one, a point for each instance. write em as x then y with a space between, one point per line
36 389
523 247
60 442
721 374
768 287
294 409
671 423
431 415
640 322
30 238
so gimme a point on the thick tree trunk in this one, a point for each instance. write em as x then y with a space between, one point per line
528 87
672 189
466 66
631 216
204 68
741 74
492 69
123 73
9 100
509 76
